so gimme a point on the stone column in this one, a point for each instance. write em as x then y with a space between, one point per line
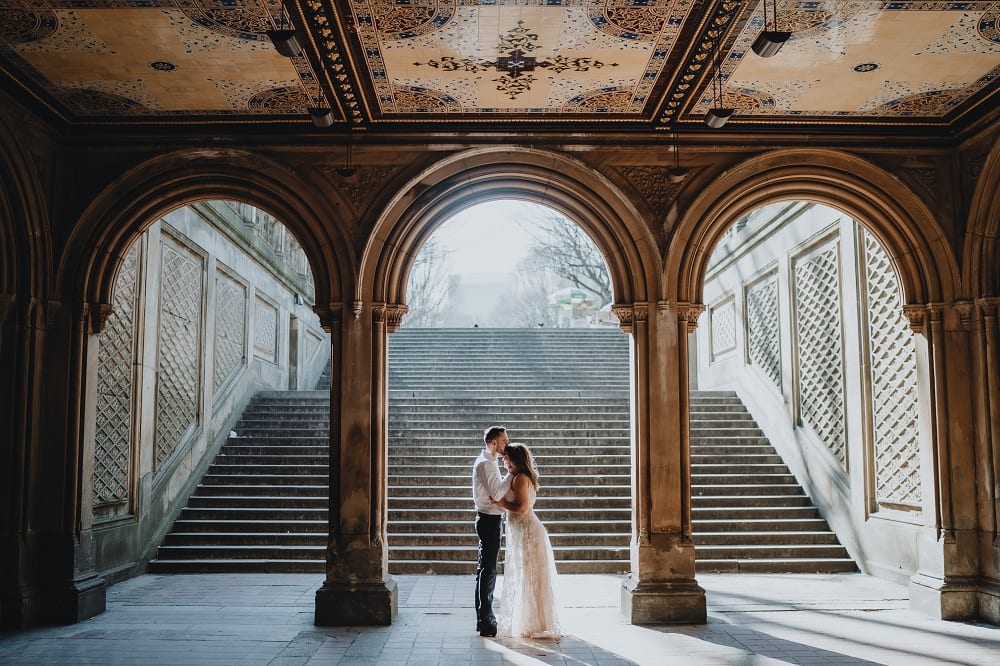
358 589
661 587
53 549
986 380
948 558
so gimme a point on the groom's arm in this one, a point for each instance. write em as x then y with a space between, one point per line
489 477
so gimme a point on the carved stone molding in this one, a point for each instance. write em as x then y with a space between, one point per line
356 308
641 311
653 183
361 185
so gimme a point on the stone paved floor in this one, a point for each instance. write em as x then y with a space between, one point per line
217 619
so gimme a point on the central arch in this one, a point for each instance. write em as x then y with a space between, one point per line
463 180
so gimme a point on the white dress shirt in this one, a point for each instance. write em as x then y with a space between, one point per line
486 483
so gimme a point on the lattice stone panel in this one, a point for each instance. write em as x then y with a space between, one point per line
763 336
723 326
893 383
230 326
266 330
115 386
820 348
179 358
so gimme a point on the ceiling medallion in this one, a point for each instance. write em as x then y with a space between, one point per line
516 65
866 67
163 66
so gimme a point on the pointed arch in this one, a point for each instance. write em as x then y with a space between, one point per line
982 241
120 213
477 176
902 222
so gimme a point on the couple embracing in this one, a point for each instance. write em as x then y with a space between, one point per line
527 602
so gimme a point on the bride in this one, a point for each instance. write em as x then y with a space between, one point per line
528 601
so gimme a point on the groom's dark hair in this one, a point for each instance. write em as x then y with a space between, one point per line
492 433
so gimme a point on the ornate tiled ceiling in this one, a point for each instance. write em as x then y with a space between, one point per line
481 63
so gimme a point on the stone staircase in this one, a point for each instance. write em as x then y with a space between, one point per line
262 505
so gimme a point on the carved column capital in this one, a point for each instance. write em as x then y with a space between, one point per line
378 312
917 315
329 315
988 307
98 315
688 313
394 314
624 314
965 311
356 308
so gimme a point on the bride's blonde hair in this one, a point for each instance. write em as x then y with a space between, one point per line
525 464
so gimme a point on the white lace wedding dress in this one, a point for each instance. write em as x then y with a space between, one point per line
528 600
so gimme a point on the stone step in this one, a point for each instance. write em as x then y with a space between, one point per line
237 502
235 552
468 539
568 505
574 490
298 480
553 524
468 553
254 487
761 565
754 538
743 489
192 516
236 565
255 539
768 551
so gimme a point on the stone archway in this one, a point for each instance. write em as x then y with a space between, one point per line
107 228
662 586
981 263
932 288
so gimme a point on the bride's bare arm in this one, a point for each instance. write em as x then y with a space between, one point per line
521 501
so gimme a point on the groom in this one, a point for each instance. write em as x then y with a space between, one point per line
486 483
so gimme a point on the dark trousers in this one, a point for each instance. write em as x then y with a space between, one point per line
488 529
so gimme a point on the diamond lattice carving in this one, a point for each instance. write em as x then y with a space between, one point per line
113 418
723 326
763 337
893 383
820 348
179 361
230 326
266 331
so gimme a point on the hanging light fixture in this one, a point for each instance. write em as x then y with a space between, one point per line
321 114
284 37
718 115
676 173
769 42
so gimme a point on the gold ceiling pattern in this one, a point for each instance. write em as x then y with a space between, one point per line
461 63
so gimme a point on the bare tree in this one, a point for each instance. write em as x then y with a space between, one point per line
427 287
529 301
561 246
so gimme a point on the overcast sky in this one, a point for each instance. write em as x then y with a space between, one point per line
479 234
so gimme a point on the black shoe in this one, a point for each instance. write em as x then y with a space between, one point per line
488 629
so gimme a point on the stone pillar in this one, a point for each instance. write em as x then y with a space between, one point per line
661 588
52 549
986 379
358 589
948 559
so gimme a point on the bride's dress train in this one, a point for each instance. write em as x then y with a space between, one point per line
528 600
